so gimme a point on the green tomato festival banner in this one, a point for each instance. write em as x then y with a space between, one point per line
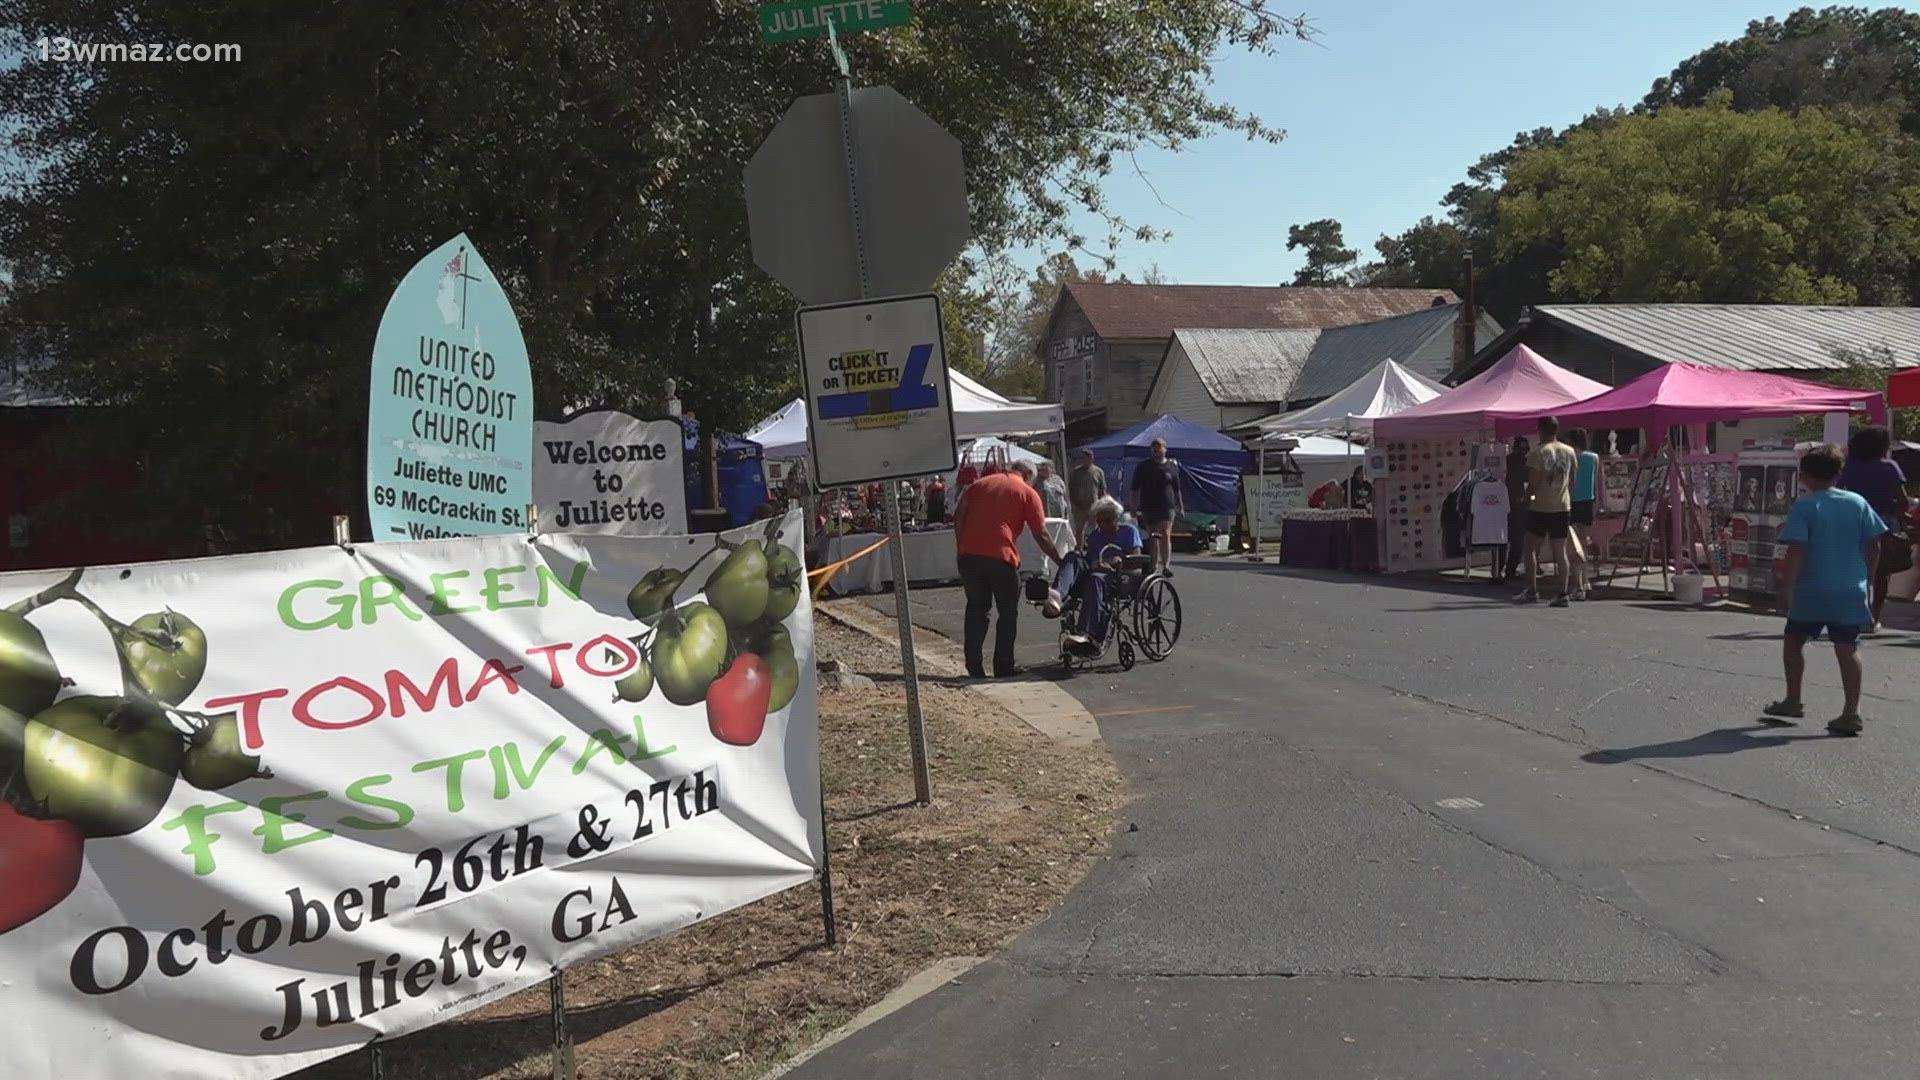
258 811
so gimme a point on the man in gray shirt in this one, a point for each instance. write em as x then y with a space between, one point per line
1086 485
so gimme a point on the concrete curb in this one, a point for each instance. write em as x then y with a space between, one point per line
924 982
1041 705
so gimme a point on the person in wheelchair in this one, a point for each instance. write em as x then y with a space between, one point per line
1087 575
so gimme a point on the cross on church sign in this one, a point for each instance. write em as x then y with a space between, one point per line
809 18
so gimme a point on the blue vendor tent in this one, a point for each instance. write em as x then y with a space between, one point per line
1210 463
743 482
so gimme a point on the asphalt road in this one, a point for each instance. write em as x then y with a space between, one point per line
1386 828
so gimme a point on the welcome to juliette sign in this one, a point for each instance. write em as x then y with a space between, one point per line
450 412
316 797
605 471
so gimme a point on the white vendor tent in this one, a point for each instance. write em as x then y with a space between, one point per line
982 450
1322 458
1316 449
784 434
1383 391
977 413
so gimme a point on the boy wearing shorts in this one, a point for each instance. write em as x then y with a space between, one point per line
1833 541
1549 488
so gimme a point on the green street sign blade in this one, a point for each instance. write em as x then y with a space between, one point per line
809 18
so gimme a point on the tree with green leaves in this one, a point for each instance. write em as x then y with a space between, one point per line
1017 362
208 247
1833 56
1709 204
1429 255
1866 369
1327 253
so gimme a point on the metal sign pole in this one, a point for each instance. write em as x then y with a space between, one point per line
1253 504
562 1039
826 871
909 668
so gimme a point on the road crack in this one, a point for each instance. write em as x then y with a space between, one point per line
1093 932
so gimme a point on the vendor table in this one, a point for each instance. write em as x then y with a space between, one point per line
930 555
1329 540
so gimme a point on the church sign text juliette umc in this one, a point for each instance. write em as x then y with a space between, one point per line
790 22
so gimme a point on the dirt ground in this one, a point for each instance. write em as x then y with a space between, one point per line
1015 821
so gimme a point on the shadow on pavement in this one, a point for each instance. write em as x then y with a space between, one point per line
1486 603
1414 582
1721 741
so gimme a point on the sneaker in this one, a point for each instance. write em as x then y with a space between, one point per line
1581 595
1845 724
1077 642
1559 601
1051 608
1527 597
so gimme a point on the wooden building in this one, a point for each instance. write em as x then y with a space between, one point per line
1219 378
1105 341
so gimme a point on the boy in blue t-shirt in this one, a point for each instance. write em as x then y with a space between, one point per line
1832 539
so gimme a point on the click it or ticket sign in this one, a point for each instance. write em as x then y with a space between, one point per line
809 18
879 405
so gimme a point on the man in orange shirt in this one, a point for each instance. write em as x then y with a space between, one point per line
987 524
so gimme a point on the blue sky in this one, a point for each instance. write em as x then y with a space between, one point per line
1386 112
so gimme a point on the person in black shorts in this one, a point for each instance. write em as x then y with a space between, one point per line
1157 499
1549 519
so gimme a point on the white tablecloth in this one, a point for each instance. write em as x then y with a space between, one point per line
931 558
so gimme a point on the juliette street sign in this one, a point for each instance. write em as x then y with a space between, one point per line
809 18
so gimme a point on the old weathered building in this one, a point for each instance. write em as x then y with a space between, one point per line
1220 378
1617 343
1105 341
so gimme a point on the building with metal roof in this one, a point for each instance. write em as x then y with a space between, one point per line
1617 343
1105 340
1225 377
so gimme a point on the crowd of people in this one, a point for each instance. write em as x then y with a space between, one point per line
1845 536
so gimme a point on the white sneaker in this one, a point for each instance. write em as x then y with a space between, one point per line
1051 609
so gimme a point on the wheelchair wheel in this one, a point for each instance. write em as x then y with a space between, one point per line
1126 656
1156 618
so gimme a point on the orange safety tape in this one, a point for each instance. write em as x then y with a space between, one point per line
825 573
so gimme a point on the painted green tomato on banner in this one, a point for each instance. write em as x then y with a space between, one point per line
450 409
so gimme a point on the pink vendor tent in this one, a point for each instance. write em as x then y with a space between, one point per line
1521 383
1690 394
